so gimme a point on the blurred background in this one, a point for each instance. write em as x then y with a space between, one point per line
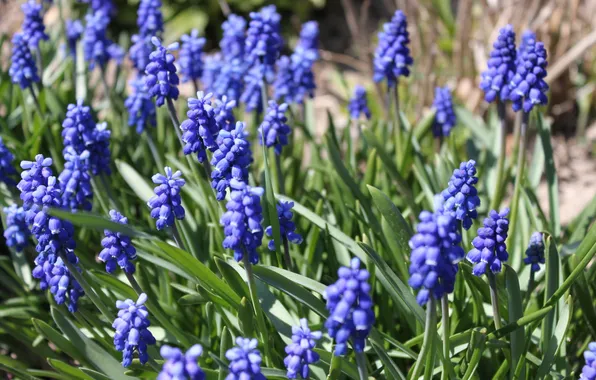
450 44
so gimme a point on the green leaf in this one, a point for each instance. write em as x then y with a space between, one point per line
551 176
15 367
58 339
72 372
389 365
475 124
565 315
552 283
516 311
137 183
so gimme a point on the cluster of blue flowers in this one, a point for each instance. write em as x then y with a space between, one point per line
263 39
140 106
234 39
224 115
117 248
274 131
191 56
589 370
16 231
445 118
98 49
160 74
300 351
535 252
501 66
179 366
461 197
7 171
23 70
490 251
75 181
199 131
33 27
132 333
74 31
166 204
245 360
350 308
286 225
392 56
149 18
358 104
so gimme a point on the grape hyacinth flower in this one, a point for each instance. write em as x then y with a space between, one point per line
132 331
500 66
233 40
34 30
527 36
435 254
179 366
140 106
78 127
445 116
106 6
245 360
589 369
528 87
96 45
273 130
199 131
23 70
461 197
392 56
230 79
117 247
286 226
300 351
211 69
75 181
16 231
490 251
309 37
231 159
139 51
74 30
242 221
358 104
99 150
350 308
166 204
34 175
150 18
161 78
7 170
535 252
252 96
283 86
224 116
191 56
303 59
263 39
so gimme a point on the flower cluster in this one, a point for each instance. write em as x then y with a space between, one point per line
16 231
132 331
527 87
350 308
242 221
229 81
233 40
392 56
252 96
166 204
501 66
445 116
589 370
211 69
78 126
274 131
526 37
23 70
461 197
191 56
489 249
139 51
358 104
106 6
75 181
224 117
231 159
7 171
200 129
245 360
161 78
435 254
117 247
149 18
286 226
98 49
283 87
263 39
99 150
300 351
140 106
34 30
303 59
179 366
535 252
74 30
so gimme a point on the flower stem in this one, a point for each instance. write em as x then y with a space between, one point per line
429 336
280 178
40 62
176 122
496 201
361 364
446 333
154 151
397 126
530 288
104 182
176 236
36 102
494 297
287 257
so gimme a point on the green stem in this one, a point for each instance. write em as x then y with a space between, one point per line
153 149
530 288
521 164
176 236
287 257
108 188
496 201
429 336
447 368
361 364
280 178
174 117
397 127
257 308
36 102
106 87
40 62
494 297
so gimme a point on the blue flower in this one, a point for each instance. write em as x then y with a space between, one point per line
7 170
117 247
527 87
149 18
245 360
211 69
284 87
535 252
303 59
75 181
105 6
178 366
435 254
166 204
300 351
35 174
489 246
589 369
233 40
224 115
350 308
500 66
526 37
231 159
99 150
161 78
286 226
263 39
191 56
132 331
139 51
96 45
242 221
140 106
23 70
461 197
445 116
392 56
200 129
273 130
53 274
78 127
252 96
74 30
358 104
229 81
16 231
33 28
309 37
